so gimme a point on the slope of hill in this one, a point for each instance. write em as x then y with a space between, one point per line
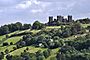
33 49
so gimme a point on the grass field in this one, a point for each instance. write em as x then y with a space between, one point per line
52 27
85 25
35 31
13 39
2 49
1 37
31 48
53 53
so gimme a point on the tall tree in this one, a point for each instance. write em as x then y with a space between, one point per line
37 25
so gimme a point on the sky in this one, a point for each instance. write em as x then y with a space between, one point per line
28 11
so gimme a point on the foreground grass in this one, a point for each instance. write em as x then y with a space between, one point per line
52 27
85 25
35 49
35 31
1 37
14 40
31 50
75 36
3 48
53 54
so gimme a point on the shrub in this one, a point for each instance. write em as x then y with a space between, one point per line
14 48
11 43
5 44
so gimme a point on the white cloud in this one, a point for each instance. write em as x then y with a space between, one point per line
30 3
36 2
1 11
24 5
27 4
37 11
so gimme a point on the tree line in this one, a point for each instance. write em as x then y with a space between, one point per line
19 26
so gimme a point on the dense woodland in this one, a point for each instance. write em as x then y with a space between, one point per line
69 49
19 26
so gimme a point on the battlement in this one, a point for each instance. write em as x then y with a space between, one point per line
59 19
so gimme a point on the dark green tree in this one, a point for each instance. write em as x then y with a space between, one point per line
9 57
26 26
37 25
6 51
46 53
1 55
18 25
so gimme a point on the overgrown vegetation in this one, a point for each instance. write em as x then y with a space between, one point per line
42 42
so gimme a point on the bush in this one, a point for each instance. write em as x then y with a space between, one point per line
11 43
37 25
6 51
7 36
9 57
53 58
27 48
46 53
5 44
1 55
14 48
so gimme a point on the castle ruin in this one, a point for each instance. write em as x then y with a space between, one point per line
59 19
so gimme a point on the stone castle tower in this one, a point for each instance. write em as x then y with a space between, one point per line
69 18
59 18
50 19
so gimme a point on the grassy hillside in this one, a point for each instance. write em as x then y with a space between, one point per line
2 49
85 25
1 37
53 53
13 39
31 48
17 38
53 27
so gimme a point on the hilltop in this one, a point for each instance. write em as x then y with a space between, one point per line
65 40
